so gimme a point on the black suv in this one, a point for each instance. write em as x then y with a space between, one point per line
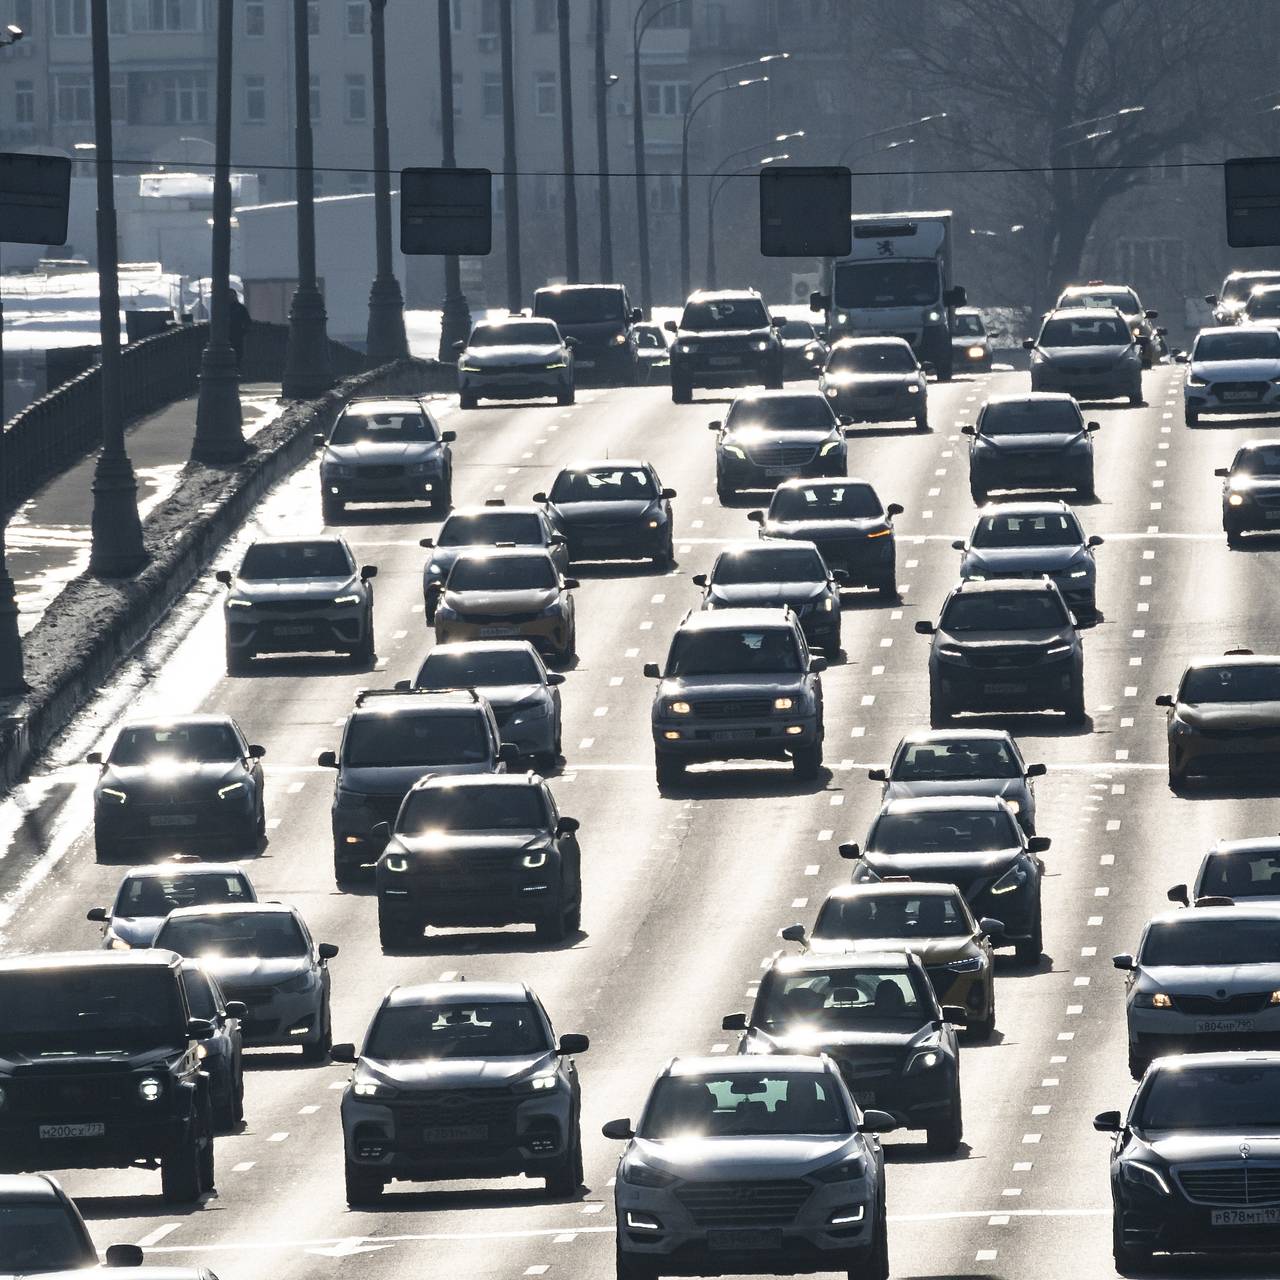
724 339
599 317
100 1068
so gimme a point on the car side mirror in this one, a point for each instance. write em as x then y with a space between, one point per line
1211 299
327 950
574 1042
817 665
317 440
571 584
539 496
97 914
381 831
733 1022
200 1029
818 301
792 933
459 346
427 542
956 296
776 322
840 576
1165 700
368 571
1224 472
1162 333
715 425
509 753
94 757
651 671
448 436
958 545
924 627
991 927
668 494
1039 844
874 1121
555 678
850 852
237 1009
1096 540
1093 426
124 1255
1107 1122
1028 344
342 1053
967 430
846 420
223 576
755 517
403 686
929 369
955 1014
699 579
557 541
256 751
572 343
567 826
1151 315
893 509
619 1130
1179 895
670 326
1180 357
1036 770
1123 962
878 775
635 315
327 760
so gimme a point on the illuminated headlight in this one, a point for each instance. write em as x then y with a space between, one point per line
933 317
468 368
679 708
619 339
1078 573
372 1089
761 345
810 355
1012 879
830 447
1014 805
534 858
110 793
950 651
119 944
435 570
832 393
347 600
735 450
239 604
1160 1000
1057 650
845 1171
925 1061
396 862
556 364
1275 998
540 1084
841 318
913 389
654 524
1235 499
783 704
976 353
684 348
150 1088
828 605
969 965
1137 331
229 790
1143 1175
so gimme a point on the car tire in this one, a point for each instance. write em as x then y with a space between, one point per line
104 850
978 492
395 935
545 761
570 650
1085 490
1234 534
180 1172
633 1268
667 556
1135 396
1075 709
1191 418
1029 950
922 422
332 510
467 399
681 392
237 661
940 710
208 1171
775 383
669 770
1177 776
442 498
552 926
365 654
565 1177
345 874
237 1094
1128 1260
887 589
319 1050
364 1187
806 762
1138 1063
224 1107
565 396
725 492
945 1137
879 1269
984 1030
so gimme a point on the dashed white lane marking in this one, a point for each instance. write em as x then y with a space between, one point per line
1030 1138
868 699
1094 922
272 823
586 744
154 1237
658 597
646 625
1102 891
1011 1191
278 1137
539 1269
244 1166
565 1237
631 653
799 903
1107 860
1023 1166
837 799
1086 952
593 1208
825 834
878 669
294 787
601 711
1113 824
986 1255
1082 981
399 635
811 869
448 975
337 1084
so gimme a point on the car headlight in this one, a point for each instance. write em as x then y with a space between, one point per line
679 707
970 964
337 470
832 392
1194 381
556 364
639 1174
225 793
933 317
1143 1175
347 600
554 608
534 858
426 466
761 345
830 447
541 1083
828 605
849 1170
1078 573
1057 650
619 339
810 356
296 986
913 389
435 570
976 353
950 651
783 704
117 944
1039 357
841 318
114 794
684 348
372 1089
925 1060
734 449
234 603
535 711
396 862
1235 499
1012 879
150 1088
1153 1000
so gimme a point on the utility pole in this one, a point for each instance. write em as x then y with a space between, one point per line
306 362
11 667
510 170
385 338
572 265
455 320
602 147
219 421
116 548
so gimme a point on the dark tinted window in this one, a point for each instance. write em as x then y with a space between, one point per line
781 413
1052 529
155 744
887 284
1123 300
272 935
872 357
969 327
1241 344
580 306
1026 417
421 738
603 484
769 564
473 809
515 333
199 993
1241 287
725 313
1240 683
356 427
797 329
826 502
506 1029
841 999
1262 461
269 560
157 895
1099 331
52 1012
944 831
1004 611
898 915
1198 940
480 666
709 653
502 573
40 1237
941 761
1236 1098
743 1104
1265 302
1241 875
520 528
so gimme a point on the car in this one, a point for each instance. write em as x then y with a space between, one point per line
1224 720
690 1191
973 842
1246 869
1125 300
602 323
223 1051
100 1068
653 353
724 338
461 1079
475 528
612 509
877 1017
509 593
1007 644
1193 1157
298 595
1229 302
510 676
932 921
1251 490
970 342
776 436
1262 307
803 352
263 955
876 380
189 780
1232 370
737 684
1037 441
1087 352
765 574
845 520
1203 979
385 449
515 359
487 852
962 762
147 894
392 738
1034 540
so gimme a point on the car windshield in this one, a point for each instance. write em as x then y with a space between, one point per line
769 564
944 831
515 333
969 327
358 426
520 528
1264 302
157 895
725 313
650 339
825 502
267 561
416 739
604 484
502 573
950 758
1239 344
41 1237
265 935
872 357
801 329
473 809
897 915
771 650
840 999
1044 529
1194 940
476 667
489 1029
1238 288
580 306
887 284
1004 611
781 413
1263 460
1241 874
1027 417
1240 683
1234 1098
175 744
1123 300
744 1104
199 992
1081 331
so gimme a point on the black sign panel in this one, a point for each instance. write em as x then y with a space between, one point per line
34 194
446 211
1253 202
804 212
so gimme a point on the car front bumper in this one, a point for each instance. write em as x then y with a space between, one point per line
389 484
1045 685
178 821
408 903
1107 385
515 384
124 1141
889 406
747 473
1051 471
748 368
1224 752
633 540
548 634
707 739
1173 1223
1245 397
274 630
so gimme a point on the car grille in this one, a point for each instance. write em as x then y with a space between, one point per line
474 869
1256 389
1004 658
92 1096
772 1203
862 1070
383 807
379 471
497 619
734 709
782 455
1267 499
1087 369
1244 1183
1250 1002
1258 731
291 607
488 1108
512 368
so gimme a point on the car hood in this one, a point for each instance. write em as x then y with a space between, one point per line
750 595
180 778
1232 715
113 1058
1006 788
295 588
395 780
722 336
730 686
940 866
1236 370
930 950
483 842
1253 484
238 972
530 355
995 640
740 1159
609 512
455 1073
445 556
820 530
500 602
1180 1146
1071 357
1032 441
1209 979
370 452
995 562
511 697
869 381
754 437
137 931
838 1042
592 332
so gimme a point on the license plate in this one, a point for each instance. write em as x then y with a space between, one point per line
456 1133
1239 395
725 1240
497 631
300 630
1245 1217
723 360
1007 686
1210 1026
94 1129
777 471
726 735
1272 515
173 819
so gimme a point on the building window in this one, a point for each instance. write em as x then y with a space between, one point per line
186 97
546 95
679 15
73 97
166 15
357 95
315 97
255 18
544 15
488 17
317 182
313 17
492 101
456 9
548 191
255 99
24 101
70 17
663 193
666 97
1170 167
457 95
357 10
24 16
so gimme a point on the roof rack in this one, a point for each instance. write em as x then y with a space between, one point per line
363 695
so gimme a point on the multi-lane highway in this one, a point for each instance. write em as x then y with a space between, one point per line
684 893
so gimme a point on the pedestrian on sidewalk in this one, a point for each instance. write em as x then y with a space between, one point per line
240 323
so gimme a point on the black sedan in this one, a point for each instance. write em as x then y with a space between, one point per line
803 352
777 435
612 510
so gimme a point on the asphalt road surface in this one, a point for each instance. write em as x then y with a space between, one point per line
684 893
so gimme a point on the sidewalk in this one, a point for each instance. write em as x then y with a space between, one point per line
48 538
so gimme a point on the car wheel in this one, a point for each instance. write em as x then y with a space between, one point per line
922 422
332 509
365 654
888 587
1234 534
565 1177
1138 1063
1075 708
775 382
880 1258
1085 490
1029 950
1135 395
978 492
1129 1261
237 661
442 498
104 850
346 874
807 761
224 1107
945 1137
551 928
208 1178
634 1268
570 650
545 761
1191 418
364 1186
319 1050
396 935
669 770
666 557
1177 775
180 1173
940 710
467 399
984 1030
565 396
725 491
681 392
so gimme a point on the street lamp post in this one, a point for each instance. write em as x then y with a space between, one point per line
455 319
510 171
306 363
893 128
604 82
711 206
385 338
116 549
219 422
572 265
